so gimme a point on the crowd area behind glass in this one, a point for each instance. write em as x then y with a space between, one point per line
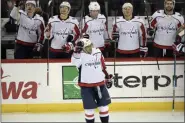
113 8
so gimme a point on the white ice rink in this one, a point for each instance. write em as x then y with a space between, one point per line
79 117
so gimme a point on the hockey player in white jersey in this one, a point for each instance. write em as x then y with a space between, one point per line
93 79
95 28
130 32
31 30
62 31
165 24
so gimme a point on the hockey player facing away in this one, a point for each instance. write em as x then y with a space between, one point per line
95 27
93 79
165 24
31 30
131 33
62 31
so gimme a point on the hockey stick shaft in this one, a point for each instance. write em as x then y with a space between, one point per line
81 18
148 20
115 47
174 84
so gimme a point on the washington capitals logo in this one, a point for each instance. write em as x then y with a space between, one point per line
130 33
168 28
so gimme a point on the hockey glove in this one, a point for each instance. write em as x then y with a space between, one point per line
115 35
38 46
70 38
86 36
150 31
17 3
144 51
79 47
178 47
67 47
108 81
107 43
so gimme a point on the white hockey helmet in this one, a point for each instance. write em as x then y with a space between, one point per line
94 6
86 42
65 3
31 1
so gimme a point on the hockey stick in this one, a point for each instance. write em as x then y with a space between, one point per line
106 15
174 83
48 42
116 84
81 18
150 28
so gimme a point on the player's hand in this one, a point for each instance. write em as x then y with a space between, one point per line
150 31
38 47
78 47
178 47
17 3
115 35
47 32
70 38
144 51
109 81
107 43
67 47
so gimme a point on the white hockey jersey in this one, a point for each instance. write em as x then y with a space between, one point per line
166 27
60 29
90 68
31 30
96 29
132 34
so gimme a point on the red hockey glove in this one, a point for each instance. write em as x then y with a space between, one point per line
178 48
79 47
67 47
108 81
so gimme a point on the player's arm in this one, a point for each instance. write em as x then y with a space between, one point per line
142 32
40 34
76 32
41 31
108 77
76 56
143 42
48 31
153 24
84 28
181 30
115 30
15 13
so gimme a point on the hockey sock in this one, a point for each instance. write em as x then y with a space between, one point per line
104 119
89 121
